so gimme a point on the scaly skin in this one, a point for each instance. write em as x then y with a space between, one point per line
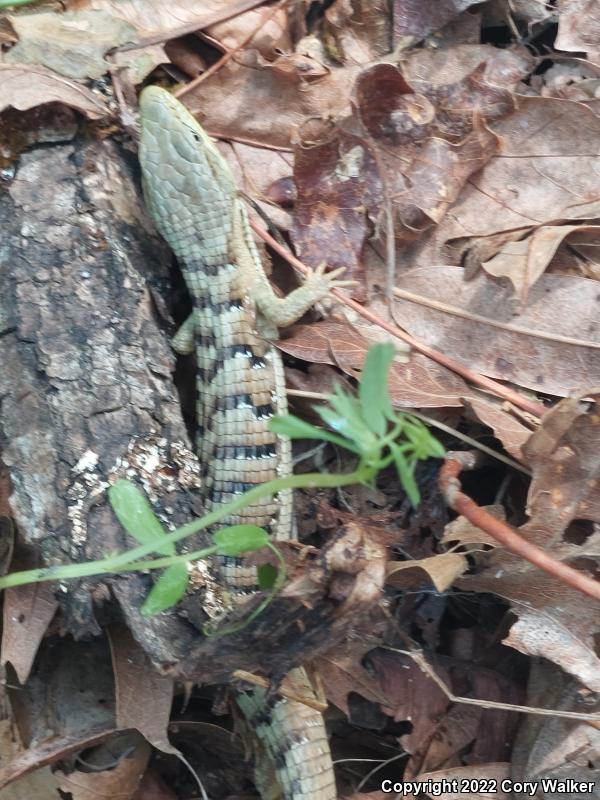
191 194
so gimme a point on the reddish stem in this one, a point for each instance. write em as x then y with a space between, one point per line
537 409
503 533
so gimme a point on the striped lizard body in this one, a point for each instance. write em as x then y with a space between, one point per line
191 194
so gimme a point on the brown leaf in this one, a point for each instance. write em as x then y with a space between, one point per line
341 673
506 426
546 160
442 570
572 34
337 183
420 382
226 102
555 621
358 33
271 38
523 262
418 19
119 781
50 750
553 345
72 44
28 610
410 695
553 747
143 696
167 20
474 775
463 532
564 455
24 87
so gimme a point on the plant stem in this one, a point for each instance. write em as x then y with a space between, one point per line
123 562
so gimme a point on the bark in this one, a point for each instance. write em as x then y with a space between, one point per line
87 371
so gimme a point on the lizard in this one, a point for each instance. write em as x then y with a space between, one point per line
192 197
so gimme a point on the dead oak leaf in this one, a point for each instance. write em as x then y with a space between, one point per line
564 455
143 696
342 673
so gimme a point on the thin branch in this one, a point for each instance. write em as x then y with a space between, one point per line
230 53
537 409
451 489
421 661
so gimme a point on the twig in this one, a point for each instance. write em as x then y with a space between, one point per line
230 53
446 308
421 662
537 409
502 532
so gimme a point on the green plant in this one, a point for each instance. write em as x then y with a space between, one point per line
366 425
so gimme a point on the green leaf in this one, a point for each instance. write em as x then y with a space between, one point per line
238 539
267 576
406 474
373 389
295 428
343 414
135 514
424 444
167 591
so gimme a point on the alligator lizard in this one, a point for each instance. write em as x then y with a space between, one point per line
191 194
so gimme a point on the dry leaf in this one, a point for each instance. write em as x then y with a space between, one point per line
119 782
144 697
27 612
442 570
523 262
72 44
552 345
24 87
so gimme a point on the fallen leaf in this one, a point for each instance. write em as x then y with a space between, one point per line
484 775
27 612
552 345
118 781
572 35
461 531
551 747
24 87
143 696
418 19
410 695
507 427
442 570
341 673
523 261
226 102
337 182
72 44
